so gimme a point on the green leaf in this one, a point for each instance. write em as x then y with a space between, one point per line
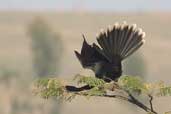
165 91
96 92
132 84
49 88
91 81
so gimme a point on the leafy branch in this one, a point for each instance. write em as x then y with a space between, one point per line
130 86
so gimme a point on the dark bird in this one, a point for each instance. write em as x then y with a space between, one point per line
114 45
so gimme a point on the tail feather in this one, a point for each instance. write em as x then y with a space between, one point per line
110 39
96 47
132 38
102 40
134 42
112 33
125 29
128 41
116 39
121 40
127 37
134 49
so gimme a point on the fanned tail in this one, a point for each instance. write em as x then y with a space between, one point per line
120 41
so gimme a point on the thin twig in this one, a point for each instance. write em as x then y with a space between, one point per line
137 102
151 104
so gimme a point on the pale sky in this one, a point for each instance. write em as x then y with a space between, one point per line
90 5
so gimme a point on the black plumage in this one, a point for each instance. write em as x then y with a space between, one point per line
114 45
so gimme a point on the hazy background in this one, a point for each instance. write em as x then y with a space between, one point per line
87 5
38 37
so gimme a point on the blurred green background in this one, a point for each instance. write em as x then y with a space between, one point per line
39 41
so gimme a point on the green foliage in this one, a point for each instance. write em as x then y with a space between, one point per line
135 84
91 81
49 88
164 90
158 89
95 92
132 84
42 82
52 87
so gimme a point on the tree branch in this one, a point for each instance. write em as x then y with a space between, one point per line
132 99
93 88
141 105
151 104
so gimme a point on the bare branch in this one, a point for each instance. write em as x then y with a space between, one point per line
151 104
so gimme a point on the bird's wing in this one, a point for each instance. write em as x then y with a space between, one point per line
90 54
